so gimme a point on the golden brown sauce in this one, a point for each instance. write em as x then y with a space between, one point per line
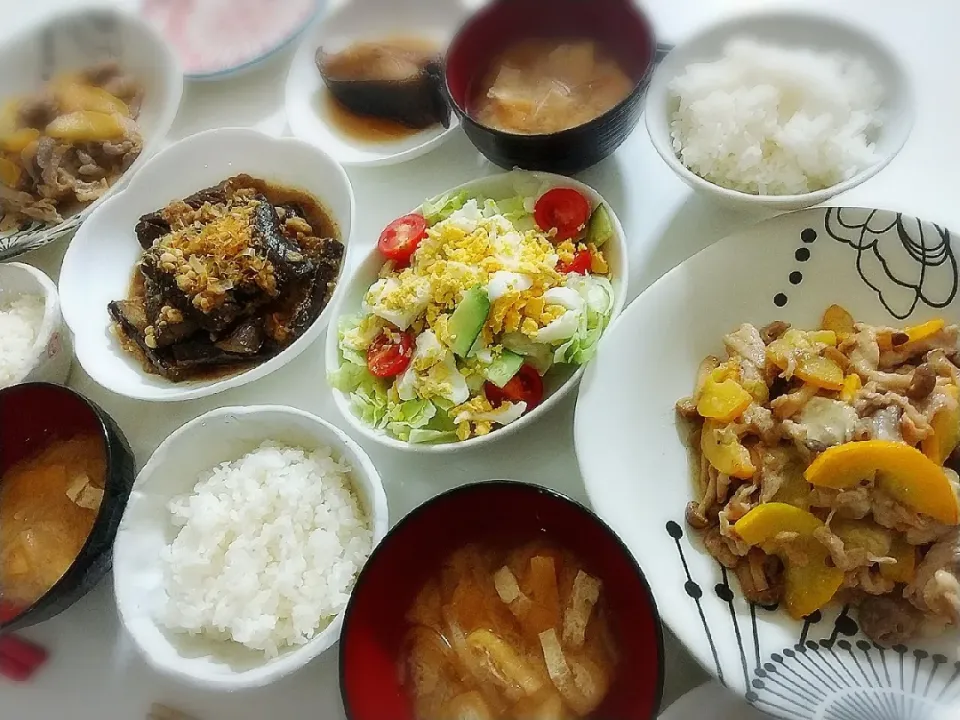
362 127
48 506
508 634
543 85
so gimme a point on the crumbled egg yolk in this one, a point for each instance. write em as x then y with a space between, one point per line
450 260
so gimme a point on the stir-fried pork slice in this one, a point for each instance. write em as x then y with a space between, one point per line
918 529
786 406
883 424
746 343
843 557
758 420
936 587
14 201
854 504
864 353
945 339
869 400
888 620
761 578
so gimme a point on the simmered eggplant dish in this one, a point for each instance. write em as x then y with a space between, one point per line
229 277
826 469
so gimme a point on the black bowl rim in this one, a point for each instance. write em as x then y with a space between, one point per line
108 447
482 486
591 125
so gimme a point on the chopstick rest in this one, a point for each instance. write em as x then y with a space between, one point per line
19 658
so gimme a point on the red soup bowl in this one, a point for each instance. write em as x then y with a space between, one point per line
499 512
618 26
31 415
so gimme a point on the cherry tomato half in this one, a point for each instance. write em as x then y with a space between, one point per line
400 239
389 355
580 264
525 386
564 209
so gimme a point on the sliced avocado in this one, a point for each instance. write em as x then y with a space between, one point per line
600 227
467 320
503 368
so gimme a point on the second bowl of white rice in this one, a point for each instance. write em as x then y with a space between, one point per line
779 110
241 543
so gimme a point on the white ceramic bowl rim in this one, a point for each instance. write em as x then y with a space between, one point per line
51 314
294 658
663 143
373 258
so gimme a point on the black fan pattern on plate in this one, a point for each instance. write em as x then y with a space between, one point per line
97 38
903 260
828 673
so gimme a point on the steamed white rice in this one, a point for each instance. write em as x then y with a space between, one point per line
776 121
268 549
20 322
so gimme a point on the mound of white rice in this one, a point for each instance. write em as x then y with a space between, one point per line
775 121
268 549
20 322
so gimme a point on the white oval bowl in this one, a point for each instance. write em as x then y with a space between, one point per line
219 436
365 20
99 263
51 352
790 29
76 38
558 383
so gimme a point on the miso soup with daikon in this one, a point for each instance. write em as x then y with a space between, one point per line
504 633
543 85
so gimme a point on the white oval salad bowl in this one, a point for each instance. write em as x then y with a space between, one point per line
365 20
522 189
100 261
78 38
886 269
219 436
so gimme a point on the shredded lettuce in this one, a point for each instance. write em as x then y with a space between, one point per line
597 293
368 394
442 207
419 435
402 418
538 355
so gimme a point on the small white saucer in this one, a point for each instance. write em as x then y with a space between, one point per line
307 109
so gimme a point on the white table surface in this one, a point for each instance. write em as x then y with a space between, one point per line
95 672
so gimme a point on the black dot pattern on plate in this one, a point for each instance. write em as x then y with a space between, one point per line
802 254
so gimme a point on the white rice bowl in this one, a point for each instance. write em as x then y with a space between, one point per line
771 120
268 549
241 542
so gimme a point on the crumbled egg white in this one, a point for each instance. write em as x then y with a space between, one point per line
360 338
432 373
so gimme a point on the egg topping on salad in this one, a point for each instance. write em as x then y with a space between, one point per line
477 300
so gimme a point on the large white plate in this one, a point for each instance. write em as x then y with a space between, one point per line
883 267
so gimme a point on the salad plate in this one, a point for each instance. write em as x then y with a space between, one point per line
378 409
887 270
